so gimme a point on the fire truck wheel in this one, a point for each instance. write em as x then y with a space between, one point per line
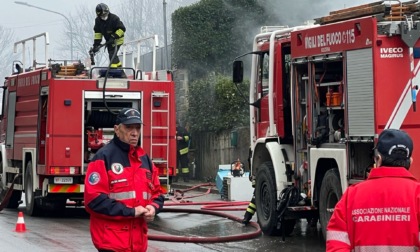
329 196
32 208
266 199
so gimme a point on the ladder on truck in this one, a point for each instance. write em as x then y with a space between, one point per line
382 10
162 126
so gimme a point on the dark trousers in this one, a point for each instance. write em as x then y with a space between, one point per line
111 50
183 169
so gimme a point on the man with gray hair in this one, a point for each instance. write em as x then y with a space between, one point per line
383 212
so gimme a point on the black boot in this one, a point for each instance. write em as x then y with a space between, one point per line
247 218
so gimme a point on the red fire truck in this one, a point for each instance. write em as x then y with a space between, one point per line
320 95
56 116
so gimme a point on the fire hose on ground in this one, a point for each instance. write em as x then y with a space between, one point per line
8 194
208 208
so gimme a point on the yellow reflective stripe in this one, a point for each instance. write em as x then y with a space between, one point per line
186 138
185 170
384 248
119 41
119 64
123 195
176 170
98 35
250 210
338 236
183 151
119 32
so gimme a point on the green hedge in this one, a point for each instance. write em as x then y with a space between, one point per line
208 35
215 104
206 38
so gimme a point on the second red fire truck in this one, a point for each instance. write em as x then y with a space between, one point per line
320 95
57 115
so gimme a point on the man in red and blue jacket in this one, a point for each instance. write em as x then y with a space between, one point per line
383 212
122 189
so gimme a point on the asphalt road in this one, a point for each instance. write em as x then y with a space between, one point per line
69 231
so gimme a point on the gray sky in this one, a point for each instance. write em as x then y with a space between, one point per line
27 21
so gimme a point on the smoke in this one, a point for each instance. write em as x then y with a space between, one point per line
281 13
292 13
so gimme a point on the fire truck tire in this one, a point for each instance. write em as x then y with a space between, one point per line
329 196
266 199
32 208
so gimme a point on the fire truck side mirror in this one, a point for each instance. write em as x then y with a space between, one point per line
238 71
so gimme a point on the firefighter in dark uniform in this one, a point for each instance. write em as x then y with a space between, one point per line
252 207
122 189
183 139
112 29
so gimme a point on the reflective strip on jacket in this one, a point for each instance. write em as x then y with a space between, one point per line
119 178
380 214
182 145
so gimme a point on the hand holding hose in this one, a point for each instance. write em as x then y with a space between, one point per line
93 50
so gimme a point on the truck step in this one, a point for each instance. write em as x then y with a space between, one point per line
14 170
16 186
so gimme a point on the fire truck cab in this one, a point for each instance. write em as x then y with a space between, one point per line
320 95
56 115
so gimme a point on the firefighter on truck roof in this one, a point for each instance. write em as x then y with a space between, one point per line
122 189
112 29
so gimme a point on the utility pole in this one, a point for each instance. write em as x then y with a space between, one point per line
58 13
165 36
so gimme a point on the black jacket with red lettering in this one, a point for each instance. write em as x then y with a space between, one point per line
119 178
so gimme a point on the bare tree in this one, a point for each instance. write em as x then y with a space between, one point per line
82 25
6 56
142 18
6 52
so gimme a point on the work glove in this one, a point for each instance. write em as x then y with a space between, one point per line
95 48
111 40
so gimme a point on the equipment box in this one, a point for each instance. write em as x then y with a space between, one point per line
237 188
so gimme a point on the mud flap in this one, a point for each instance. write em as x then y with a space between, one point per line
8 194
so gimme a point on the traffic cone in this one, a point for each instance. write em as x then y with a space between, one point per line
20 225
